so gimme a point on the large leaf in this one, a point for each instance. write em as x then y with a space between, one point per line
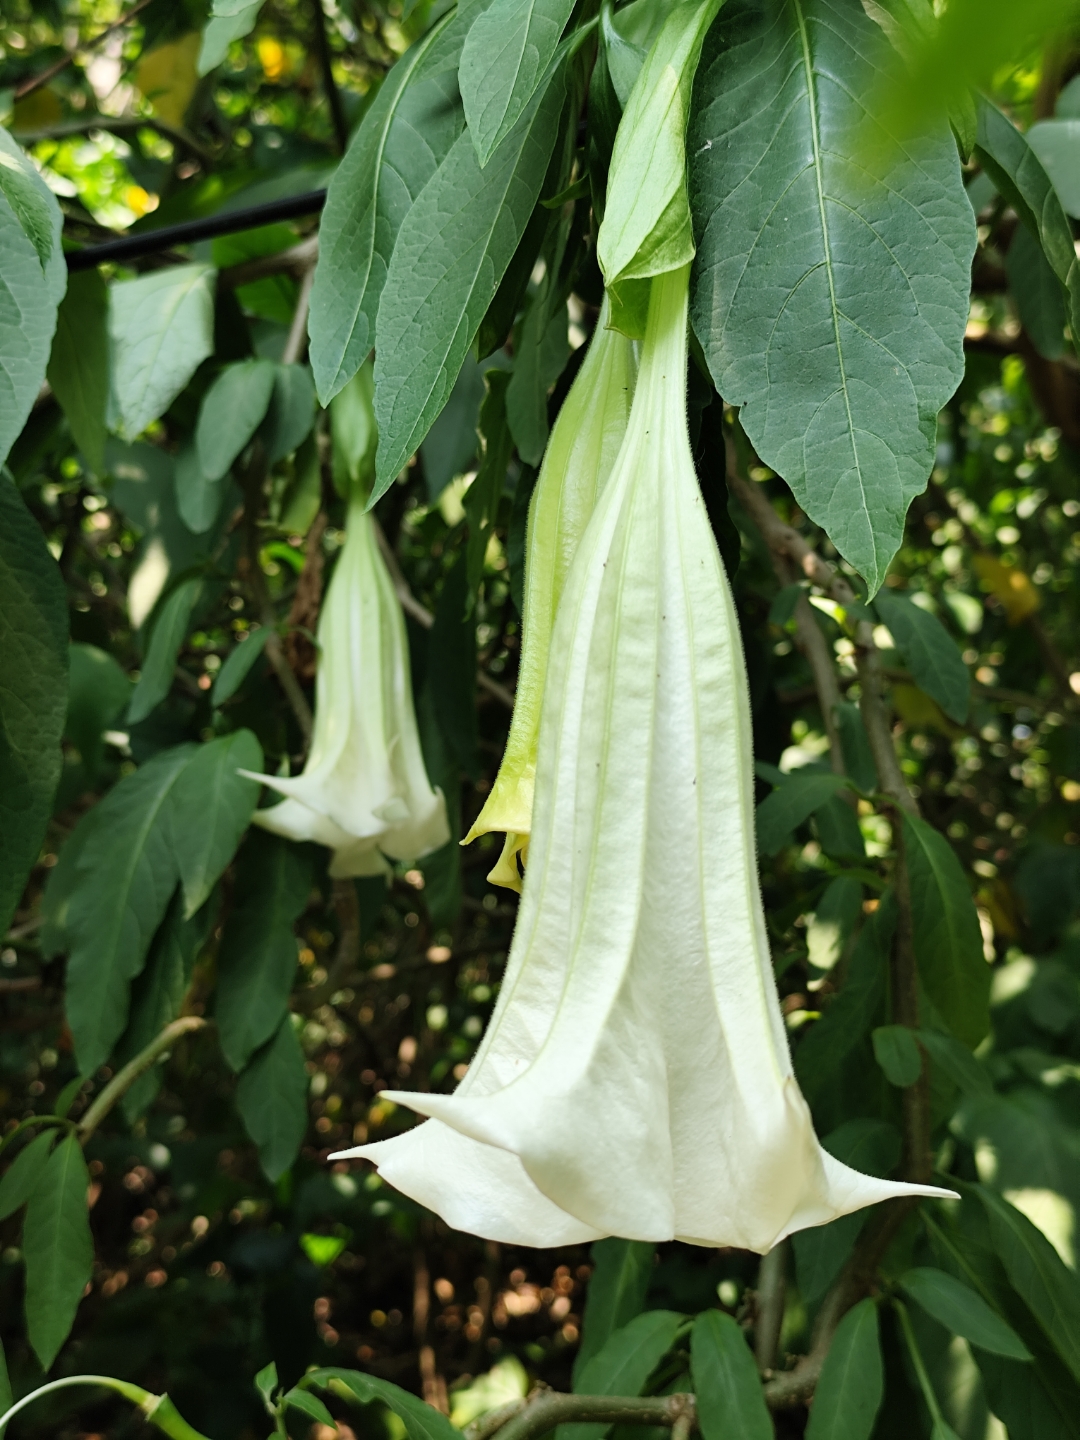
421 1421
117 873
271 1096
231 411
1038 293
929 652
963 1311
897 1052
33 691
616 1293
399 144
221 30
57 1249
238 663
1020 177
852 1383
166 638
794 800
452 250
948 941
98 690
833 269
623 1364
23 1173
726 1381
506 54
1038 1275
158 994
162 327
32 281
79 364
291 414
258 955
211 810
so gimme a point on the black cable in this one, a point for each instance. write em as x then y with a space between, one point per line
225 222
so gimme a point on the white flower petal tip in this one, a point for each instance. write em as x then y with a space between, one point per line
364 791
635 1078
583 447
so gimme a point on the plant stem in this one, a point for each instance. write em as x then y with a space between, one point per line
770 1306
122 1082
917 1362
546 1409
333 95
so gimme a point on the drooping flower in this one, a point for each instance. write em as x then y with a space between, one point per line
635 1078
364 791
581 451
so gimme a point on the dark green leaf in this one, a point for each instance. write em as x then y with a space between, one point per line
957 1062
1019 176
782 608
158 993
963 1312
1038 294
838 830
422 1422
504 59
854 742
166 638
291 414
232 410
623 1364
211 807
108 895
541 351
483 495
32 280
238 662
311 1406
258 955
616 1293
897 1052
79 364
452 250
6 1397
835 918
929 652
449 447
33 687
852 1384
947 938
162 328
1039 1276
57 1249
271 1096
98 691
793 801
726 1381
400 142
452 668
831 295
198 498
22 1174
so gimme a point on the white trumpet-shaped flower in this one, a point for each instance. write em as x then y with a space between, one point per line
364 791
584 443
635 1078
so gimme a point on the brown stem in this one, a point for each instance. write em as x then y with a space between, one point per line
298 260
545 1410
297 338
771 1287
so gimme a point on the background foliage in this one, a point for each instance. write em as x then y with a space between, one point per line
171 506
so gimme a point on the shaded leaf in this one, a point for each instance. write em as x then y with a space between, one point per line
852 1384
232 410
57 1249
726 1381
291 414
947 938
271 1096
237 664
483 495
623 1364
79 363
1038 294
166 638
211 809
831 291
33 688
794 800
22 1174
421 1421
616 1292
98 691
198 498
963 1312
897 1052
854 742
929 652
957 1062
257 958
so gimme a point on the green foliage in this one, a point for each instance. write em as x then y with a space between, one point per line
623 1363
620 1278
929 653
161 327
726 1380
78 368
963 1311
57 1247
270 1096
852 1384
794 800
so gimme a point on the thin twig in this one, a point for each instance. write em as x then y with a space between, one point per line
294 345
20 983
117 125
298 260
771 1287
29 86
547 1409
326 64
122 1082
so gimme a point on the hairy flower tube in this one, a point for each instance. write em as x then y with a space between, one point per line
635 1077
364 791
581 451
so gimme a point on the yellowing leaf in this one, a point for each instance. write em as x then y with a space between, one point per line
272 57
1009 585
919 712
39 109
167 77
